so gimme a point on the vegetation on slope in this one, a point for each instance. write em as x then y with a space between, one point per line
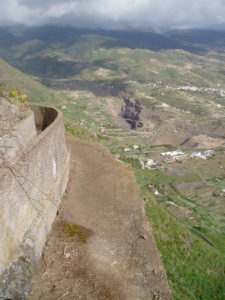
10 77
87 73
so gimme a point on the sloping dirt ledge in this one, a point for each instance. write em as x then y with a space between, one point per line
113 255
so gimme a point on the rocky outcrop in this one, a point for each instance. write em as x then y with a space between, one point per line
131 112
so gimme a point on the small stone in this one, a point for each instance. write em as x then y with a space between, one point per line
144 237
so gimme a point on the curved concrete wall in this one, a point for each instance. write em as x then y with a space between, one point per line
18 138
31 188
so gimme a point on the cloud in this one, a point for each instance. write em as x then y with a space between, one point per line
165 14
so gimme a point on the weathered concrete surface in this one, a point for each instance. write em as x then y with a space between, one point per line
17 138
119 259
16 129
31 188
9 114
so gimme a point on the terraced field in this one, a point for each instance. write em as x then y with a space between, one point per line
182 94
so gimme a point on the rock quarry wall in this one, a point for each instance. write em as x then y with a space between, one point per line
32 182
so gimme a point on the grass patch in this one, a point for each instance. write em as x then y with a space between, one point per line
81 133
195 270
73 230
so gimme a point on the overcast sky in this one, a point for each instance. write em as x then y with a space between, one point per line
164 14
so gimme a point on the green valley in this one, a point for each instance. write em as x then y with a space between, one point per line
178 155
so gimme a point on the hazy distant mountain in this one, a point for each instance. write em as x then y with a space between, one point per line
125 38
60 52
210 38
184 39
7 39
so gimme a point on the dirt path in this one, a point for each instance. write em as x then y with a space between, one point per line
109 253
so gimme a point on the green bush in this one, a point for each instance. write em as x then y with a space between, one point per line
17 95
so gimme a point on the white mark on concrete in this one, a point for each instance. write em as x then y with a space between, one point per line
54 168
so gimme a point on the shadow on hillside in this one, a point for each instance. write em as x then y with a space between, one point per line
99 88
51 67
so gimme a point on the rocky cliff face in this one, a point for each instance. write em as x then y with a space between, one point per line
131 112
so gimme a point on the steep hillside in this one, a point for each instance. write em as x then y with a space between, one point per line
178 82
37 93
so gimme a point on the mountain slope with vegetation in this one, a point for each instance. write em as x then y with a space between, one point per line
37 93
179 81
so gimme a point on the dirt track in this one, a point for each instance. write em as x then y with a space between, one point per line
110 253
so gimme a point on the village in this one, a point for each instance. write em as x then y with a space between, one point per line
176 156
155 160
219 89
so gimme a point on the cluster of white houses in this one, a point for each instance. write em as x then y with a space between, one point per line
180 155
174 156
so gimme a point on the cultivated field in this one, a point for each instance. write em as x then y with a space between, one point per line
182 94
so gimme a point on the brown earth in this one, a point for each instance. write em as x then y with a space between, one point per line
204 141
100 246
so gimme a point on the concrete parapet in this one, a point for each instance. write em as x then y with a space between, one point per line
31 186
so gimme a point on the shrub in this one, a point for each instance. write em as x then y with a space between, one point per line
17 95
